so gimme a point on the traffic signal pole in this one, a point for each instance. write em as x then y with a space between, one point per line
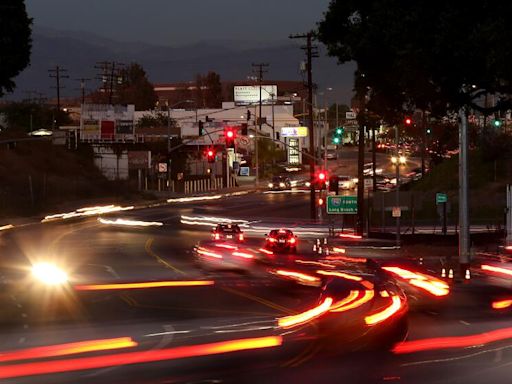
464 258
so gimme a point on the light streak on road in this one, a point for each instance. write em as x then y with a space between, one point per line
449 342
67 349
152 284
428 283
6 227
194 198
386 313
342 275
305 317
130 223
501 304
315 263
350 236
301 277
205 252
362 298
243 254
128 358
88 211
492 268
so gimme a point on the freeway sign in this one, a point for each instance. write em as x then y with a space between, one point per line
342 205
441 198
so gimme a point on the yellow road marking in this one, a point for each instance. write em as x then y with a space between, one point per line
260 300
148 249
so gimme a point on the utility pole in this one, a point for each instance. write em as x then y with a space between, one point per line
260 70
397 174
109 71
311 52
464 258
82 88
58 73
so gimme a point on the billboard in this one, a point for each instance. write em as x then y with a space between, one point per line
250 94
139 159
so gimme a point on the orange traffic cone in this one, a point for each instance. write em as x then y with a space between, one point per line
443 272
467 276
450 274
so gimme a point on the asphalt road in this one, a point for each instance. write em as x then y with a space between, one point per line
238 304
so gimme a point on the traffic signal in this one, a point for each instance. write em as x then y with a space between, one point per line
229 135
334 184
200 125
210 155
408 121
244 129
320 202
338 134
321 179
496 123
429 131
248 115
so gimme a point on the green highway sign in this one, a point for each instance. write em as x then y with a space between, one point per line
339 205
441 198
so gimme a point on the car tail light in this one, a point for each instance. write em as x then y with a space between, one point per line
241 237
292 240
271 239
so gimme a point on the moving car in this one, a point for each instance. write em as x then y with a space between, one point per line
280 183
368 169
230 232
281 240
346 182
332 154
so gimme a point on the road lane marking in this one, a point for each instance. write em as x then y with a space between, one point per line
260 300
464 322
148 249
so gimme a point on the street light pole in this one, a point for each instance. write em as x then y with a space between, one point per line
464 258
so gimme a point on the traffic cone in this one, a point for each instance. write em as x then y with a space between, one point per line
319 250
325 240
421 260
450 274
314 247
317 241
327 251
467 276
443 272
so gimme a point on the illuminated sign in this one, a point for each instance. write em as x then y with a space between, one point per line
294 131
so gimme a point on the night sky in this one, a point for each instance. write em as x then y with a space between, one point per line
173 22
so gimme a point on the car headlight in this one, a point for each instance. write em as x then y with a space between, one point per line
49 274
281 184
270 185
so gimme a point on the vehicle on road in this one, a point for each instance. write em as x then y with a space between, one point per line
368 169
280 183
281 240
346 182
332 154
229 232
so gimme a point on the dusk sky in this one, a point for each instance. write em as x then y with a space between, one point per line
172 22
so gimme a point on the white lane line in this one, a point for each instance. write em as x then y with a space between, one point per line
464 322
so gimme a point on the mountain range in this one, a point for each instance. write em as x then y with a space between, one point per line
78 52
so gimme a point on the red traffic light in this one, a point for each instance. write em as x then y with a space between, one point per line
210 153
230 134
322 176
408 121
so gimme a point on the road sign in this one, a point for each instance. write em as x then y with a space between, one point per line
441 198
244 171
350 115
162 167
342 205
397 212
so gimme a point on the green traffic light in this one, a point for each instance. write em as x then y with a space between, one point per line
339 131
497 123
336 140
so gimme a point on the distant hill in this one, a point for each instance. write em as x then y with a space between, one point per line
79 51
